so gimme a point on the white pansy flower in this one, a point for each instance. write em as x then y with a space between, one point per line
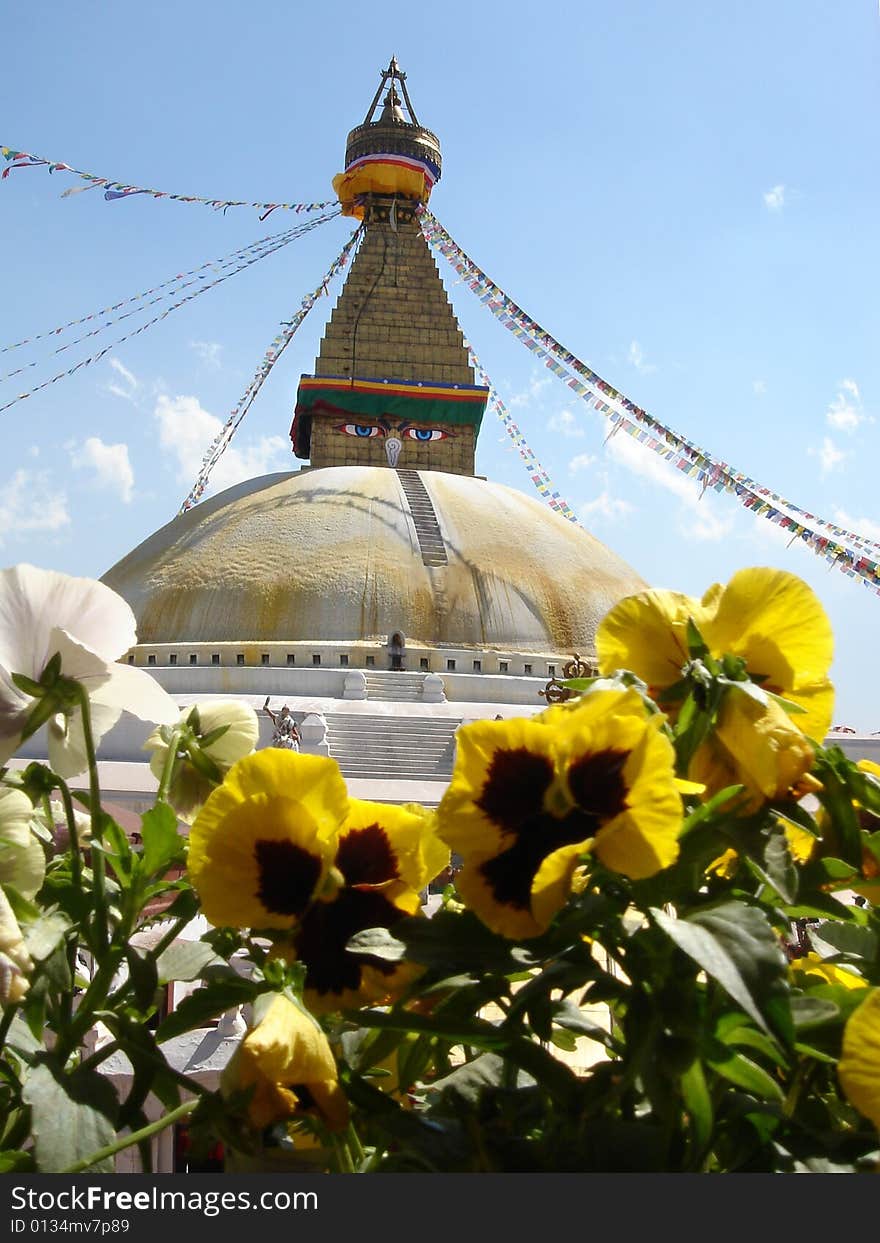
56 826
22 857
15 962
43 613
190 788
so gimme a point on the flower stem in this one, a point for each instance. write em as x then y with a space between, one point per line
127 1141
168 768
95 809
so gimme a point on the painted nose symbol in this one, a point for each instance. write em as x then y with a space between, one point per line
392 449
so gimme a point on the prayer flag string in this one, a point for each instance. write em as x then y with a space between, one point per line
221 441
267 245
626 415
536 472
115 190
246 263
179 276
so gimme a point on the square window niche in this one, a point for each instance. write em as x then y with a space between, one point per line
215 658
264 658
503 666
239 658
423 662
370 662
343 660
193 658
291 659
316 658
172 659
450 665
527 668
151 659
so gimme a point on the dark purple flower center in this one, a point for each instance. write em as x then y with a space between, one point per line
513 797
288 876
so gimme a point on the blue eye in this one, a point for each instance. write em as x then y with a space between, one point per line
363 430
425 433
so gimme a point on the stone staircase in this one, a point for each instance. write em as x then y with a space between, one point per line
403 748
399 685
424 518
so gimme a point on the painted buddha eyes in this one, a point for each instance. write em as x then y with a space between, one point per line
425 433
367 431
364 430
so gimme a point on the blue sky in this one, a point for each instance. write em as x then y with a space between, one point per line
684 194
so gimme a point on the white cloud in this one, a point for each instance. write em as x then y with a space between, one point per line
606 506
110 464
186 431
637 358
759 387
208 352
858 526
537 384
846 413
774 200
830 457
29 502
580 462
702 522
131 382
566 423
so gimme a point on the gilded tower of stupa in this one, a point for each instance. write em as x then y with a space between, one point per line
386 539
393 384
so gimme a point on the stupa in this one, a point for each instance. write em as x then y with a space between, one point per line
383 590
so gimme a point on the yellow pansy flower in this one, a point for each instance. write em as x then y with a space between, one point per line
769 618
859 1067
529 797
819 971
262 846
755 743
287 1060
384 856
801 844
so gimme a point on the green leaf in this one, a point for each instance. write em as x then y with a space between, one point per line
698 1103
162 841
12 1162
832 938
468 1082
733 944
203 764
740 1070
27 685
21 1038
44 934
185 960
731 1030
450 940
780 868
378 943
143 976
807 1012
208 1002
70 1118
208 740
570 1016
